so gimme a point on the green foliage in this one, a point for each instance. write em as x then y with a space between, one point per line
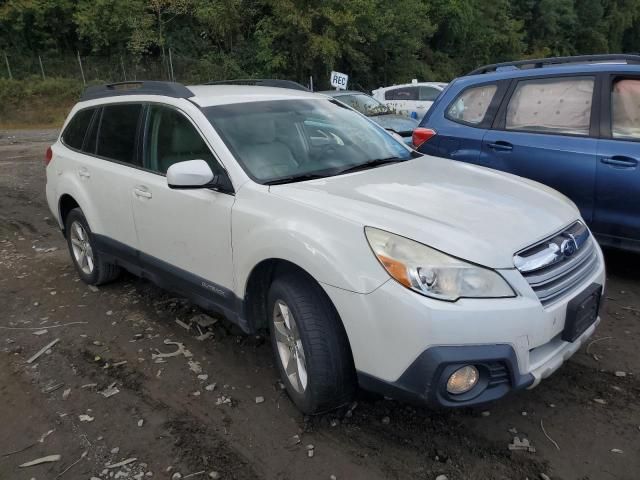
104 24
12 92
48 101
377 42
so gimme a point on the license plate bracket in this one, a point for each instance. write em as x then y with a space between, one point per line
582 312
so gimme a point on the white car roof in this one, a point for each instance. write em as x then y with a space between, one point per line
438 85
209 95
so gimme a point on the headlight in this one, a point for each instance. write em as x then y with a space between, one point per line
433 273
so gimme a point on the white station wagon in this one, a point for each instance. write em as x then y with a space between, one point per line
410 99
418 277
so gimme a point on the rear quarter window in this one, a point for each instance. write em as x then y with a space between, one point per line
73 135
470 107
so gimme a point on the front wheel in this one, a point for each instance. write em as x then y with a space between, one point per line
311 347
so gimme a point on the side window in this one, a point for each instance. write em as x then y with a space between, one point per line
92 135
390 94
555 105
471 105
74 134
625 109
404 93
429 94
118 132
171 138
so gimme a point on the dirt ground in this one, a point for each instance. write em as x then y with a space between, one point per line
166 418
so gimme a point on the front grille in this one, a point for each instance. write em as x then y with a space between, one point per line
558 265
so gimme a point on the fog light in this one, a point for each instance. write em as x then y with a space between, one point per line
463 380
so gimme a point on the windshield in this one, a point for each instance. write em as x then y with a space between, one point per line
300 139
365 104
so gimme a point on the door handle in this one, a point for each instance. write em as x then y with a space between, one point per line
84 173
142 192
500 146
620 161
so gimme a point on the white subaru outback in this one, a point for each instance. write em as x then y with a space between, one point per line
421 278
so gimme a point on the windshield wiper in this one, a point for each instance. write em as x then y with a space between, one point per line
370 164
353 168
294 178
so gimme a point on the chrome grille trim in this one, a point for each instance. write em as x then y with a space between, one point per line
556 266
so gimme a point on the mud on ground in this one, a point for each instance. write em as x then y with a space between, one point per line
165 417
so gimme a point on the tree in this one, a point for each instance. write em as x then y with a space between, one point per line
549 26
109 26
590 36
37 25
475 32
376 42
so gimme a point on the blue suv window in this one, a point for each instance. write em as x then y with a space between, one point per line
551 105
625 109
470 107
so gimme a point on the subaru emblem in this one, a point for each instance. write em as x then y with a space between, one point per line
569 246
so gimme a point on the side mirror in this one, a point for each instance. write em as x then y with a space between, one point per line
189 174
192 174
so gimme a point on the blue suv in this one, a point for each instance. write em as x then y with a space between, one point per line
572 123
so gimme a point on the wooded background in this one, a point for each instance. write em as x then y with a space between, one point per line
376 42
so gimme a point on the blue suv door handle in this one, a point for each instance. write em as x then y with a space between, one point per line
620 161
500 146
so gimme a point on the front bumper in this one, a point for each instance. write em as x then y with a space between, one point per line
424 382
405 345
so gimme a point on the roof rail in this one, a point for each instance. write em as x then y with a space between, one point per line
263 82
147 87
542 62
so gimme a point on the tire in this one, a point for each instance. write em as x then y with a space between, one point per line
319 341
96 270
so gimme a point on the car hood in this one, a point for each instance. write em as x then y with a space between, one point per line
474 213
397 123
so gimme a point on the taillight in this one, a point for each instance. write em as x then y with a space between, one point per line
48 156
421 135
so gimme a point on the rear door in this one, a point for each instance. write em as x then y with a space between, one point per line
546 130
617 213
103 165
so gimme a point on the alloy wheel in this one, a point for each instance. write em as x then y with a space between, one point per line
289 343
82 251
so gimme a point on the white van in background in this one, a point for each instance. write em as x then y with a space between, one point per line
411 99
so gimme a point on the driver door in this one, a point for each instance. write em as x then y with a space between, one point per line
184 235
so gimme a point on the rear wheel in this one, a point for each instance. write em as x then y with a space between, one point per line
311 347
89 264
